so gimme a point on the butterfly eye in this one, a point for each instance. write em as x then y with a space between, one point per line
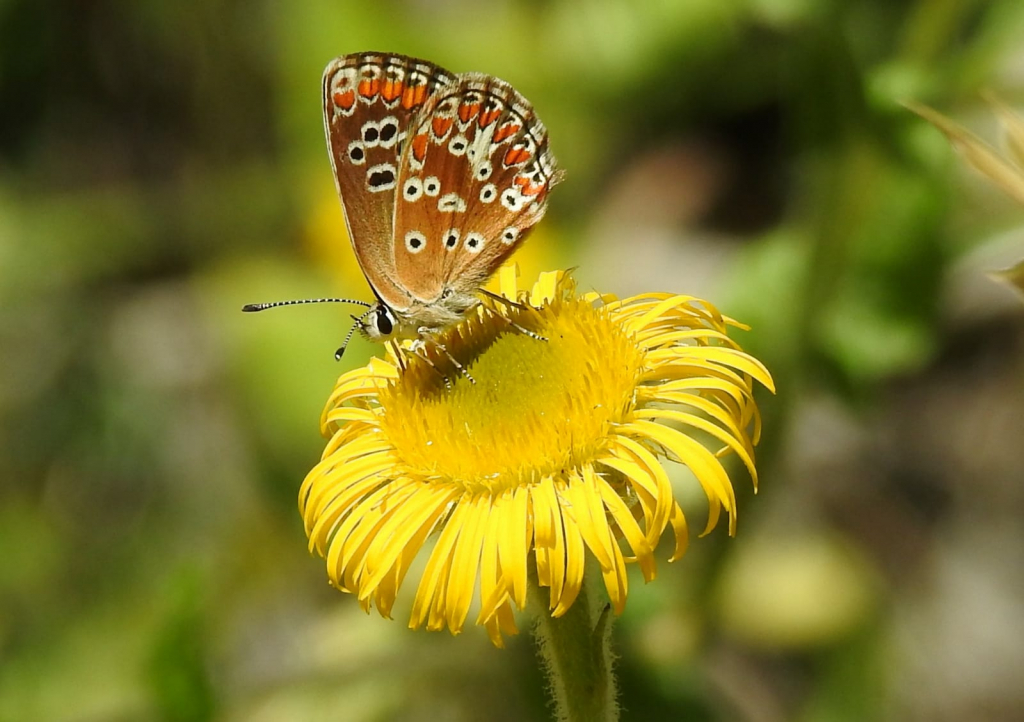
385 321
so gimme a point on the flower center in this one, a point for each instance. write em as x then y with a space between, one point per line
537 407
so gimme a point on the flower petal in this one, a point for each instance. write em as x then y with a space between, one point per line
630 529
466 562
437 565
705 467
731 435
420 512
513 542
575 557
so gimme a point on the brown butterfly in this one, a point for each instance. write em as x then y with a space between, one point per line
441 178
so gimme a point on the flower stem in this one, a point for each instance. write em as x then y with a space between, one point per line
576 651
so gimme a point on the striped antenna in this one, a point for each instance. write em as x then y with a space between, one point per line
253 307
358 321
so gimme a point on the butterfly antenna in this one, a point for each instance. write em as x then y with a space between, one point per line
252 307
357 322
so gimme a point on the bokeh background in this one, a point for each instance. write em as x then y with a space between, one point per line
163 163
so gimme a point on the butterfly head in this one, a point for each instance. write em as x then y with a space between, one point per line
378 324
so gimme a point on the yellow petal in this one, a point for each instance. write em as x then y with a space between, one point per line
705 467
513 542
731 436
436 566
663 491
466 562
419 513
682 534
574 565
593 531
630 529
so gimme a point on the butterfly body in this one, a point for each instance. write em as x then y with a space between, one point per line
441 178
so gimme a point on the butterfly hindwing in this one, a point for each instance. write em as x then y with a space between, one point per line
371 100
473 180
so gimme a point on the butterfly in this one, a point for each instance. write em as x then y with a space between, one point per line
441 178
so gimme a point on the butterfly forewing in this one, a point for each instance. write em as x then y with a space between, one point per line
473 180
371 101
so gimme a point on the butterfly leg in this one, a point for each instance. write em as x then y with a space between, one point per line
425 337
509 302
416 349
396 348
502 300
462 369
525 331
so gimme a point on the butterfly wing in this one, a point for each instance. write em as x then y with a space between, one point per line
473 180
371 100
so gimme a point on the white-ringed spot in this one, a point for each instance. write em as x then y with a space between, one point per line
356 152
388 132
412 191
451 202
415 241
458 145
512 200
451 239
432 186
380 178
474 242
509 236
370 133
488 193
484 171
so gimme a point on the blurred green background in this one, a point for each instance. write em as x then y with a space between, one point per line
163 163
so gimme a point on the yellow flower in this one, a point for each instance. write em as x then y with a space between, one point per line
556 449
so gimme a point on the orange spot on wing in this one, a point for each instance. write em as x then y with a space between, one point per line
441 126
515 156
392 89
489 117
468 111
419 147
345 98
505 131
413 95
526 187
369 88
